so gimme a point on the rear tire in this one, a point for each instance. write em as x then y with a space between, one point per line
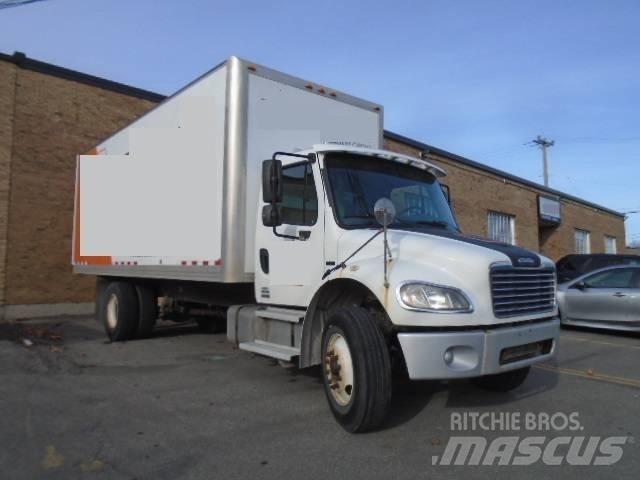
502 382
147 310
356 370
118 311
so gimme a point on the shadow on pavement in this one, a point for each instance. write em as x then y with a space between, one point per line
410 398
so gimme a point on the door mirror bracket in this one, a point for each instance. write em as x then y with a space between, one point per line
272 193
271 218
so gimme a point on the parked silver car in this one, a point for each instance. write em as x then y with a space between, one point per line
605 298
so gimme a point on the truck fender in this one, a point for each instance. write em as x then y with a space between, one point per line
336 292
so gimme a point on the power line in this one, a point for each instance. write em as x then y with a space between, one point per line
15 3
543 143
500 151
590 181
601 139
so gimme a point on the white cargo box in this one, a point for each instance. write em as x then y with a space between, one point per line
174 194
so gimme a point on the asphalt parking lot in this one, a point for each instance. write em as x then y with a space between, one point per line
188 405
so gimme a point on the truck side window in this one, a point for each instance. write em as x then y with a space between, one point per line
299 200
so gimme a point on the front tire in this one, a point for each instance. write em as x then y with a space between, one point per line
356 370
118 311
503 382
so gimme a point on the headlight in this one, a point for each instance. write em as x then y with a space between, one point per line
433 298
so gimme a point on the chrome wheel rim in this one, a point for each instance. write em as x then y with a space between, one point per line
338 368
112 312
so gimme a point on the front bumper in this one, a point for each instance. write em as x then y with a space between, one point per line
473 353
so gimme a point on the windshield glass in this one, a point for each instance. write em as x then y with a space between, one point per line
357 182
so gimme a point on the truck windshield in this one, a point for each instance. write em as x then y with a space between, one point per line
358 181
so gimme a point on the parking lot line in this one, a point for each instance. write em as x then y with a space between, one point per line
627 382
599 342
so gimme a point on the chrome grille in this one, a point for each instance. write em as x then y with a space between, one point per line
522 291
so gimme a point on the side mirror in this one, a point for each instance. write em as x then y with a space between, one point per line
580 285
271 181
271 216
385 211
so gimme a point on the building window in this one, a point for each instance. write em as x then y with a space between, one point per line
501 227
609 244
583 241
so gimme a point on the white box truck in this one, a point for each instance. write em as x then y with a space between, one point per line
265 201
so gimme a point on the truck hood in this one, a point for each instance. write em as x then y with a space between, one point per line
518 256
445 245
442 258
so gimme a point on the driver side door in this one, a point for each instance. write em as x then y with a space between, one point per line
288 268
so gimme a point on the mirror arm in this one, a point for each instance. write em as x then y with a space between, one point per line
311 157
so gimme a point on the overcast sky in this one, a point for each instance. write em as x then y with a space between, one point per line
477 78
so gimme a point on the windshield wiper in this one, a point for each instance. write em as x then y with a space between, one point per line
432 223
364 215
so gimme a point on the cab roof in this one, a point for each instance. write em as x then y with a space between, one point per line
384 154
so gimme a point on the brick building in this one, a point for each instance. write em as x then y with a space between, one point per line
48 114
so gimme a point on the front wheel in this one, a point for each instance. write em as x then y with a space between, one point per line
356 370
503 382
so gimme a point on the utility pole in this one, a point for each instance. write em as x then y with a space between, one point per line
543 143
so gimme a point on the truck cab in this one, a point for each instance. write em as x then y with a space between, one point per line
436 303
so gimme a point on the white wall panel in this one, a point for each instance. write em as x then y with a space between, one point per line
156 189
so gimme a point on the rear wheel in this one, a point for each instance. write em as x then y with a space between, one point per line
356 370
147 310
118 311
502 382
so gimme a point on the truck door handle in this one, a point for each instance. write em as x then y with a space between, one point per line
304 234
619 294
264 260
